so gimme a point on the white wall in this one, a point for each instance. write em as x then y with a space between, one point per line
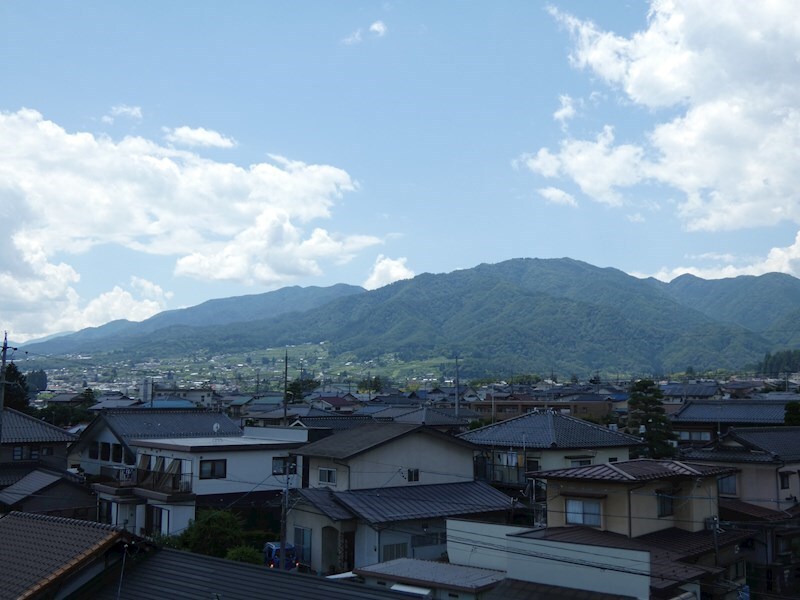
593 568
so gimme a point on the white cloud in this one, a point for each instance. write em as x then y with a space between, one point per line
556 196
353 38
566 110
778 260
729 70
387 270
123 110
72 192
378 28
198 136
636 218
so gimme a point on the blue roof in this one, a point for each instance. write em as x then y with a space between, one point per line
763 412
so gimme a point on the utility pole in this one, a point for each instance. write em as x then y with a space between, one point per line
457 386
287 470
3 382
285 386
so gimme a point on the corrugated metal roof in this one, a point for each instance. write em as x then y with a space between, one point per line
352 442
36 547
181 575
515 589
547 429
19 428
434 574
33 482
323 499
383 505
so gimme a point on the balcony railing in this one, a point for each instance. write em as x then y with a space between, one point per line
161 481
493 473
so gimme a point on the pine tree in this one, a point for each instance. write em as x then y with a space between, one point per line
647 419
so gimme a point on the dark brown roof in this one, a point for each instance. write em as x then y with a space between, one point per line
643 469
515 589
736 510
690 544
352 442
39 551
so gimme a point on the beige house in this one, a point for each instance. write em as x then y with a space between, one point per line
382 491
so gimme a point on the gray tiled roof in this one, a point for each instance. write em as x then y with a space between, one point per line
383 505
698 390
783 442
547 429
181 575
136 423
428 416
762 412
427 573
723 454
19 428
336 422
642 469
37 547
352 442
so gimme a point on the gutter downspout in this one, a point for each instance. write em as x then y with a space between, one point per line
630 516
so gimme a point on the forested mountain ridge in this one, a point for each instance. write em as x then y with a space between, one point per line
521 315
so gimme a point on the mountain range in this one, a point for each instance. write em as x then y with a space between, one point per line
519 316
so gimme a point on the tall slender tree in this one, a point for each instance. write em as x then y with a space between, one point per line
648 419
16 396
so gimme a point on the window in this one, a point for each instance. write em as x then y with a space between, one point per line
104 512
116 453
583 512
413 475
47 451
784 480
327 476
25 453
666 504
580 462
105 451
17 453
302 544
213 469
737 570
727 485
94 449
392 551
612 459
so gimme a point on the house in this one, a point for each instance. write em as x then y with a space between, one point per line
666 508
697 423
27 442
51 492
763 494
175 476
584 405
53 558
382 491
104 446
509 450
676 394
346 403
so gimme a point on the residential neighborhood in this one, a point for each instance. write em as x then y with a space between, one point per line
425 496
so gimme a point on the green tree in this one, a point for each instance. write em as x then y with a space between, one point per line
372 384
213 533
791 415
648 420
245 554
37 380
298 388
88 397
16 389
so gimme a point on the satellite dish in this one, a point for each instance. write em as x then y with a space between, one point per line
216 427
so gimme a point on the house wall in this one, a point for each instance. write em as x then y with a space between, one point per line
693 502
91 466
246 470
510 549
323 555
62 499
760 485
58 459
438 461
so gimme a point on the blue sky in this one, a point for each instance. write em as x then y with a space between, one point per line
155 155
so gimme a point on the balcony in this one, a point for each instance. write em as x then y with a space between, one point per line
164 481
500 474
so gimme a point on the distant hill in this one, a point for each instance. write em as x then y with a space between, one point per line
521 315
